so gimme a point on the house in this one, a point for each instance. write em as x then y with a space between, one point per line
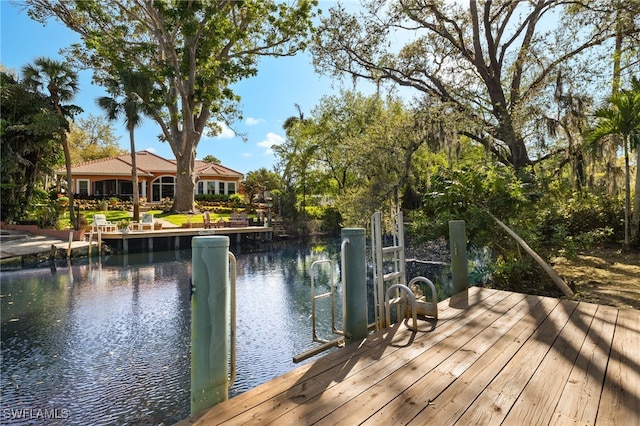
156 177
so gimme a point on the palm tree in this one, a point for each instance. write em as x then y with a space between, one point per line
130 107
61 82
301 156
621 116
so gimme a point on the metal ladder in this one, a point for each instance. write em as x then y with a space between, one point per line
325 344
330 294
389 275
389 266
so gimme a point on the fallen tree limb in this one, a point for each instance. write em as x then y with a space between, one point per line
559 282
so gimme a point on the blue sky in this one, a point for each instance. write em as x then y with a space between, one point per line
267 99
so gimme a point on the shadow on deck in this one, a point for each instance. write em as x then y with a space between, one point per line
494 357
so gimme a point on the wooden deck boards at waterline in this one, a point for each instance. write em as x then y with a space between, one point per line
496 358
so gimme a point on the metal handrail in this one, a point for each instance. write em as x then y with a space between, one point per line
434 293
343 277
412 302
232 334
325 344
315 297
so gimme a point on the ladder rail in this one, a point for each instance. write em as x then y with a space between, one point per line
325 344
392 256
232 330
378 269
315 297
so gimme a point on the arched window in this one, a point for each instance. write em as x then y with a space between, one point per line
163 187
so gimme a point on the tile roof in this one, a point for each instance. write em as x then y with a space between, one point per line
202 168
148 164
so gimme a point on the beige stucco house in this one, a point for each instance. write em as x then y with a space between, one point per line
156 175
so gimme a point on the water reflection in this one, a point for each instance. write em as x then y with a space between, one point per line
109 343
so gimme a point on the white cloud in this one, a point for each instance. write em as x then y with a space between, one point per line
250 121
150 149
246 154
271 140
226 132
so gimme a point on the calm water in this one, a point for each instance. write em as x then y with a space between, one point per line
109 343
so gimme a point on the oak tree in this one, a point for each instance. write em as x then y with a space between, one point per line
192 52
498 62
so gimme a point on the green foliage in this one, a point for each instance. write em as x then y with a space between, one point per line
30 148
504 96
353 149
331 220
92 138
211 198
464 194
328 219
581 221
505 272
258 181
236 200
211 159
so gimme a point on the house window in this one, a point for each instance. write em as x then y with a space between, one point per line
164 187
221 188
200 189
211 187
83 187
105 187
126 188
231 188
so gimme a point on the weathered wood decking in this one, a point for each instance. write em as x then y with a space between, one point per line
499 358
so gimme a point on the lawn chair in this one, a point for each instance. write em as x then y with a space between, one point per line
146 222
206 218
100 223
238 220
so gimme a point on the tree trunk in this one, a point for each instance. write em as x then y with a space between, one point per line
635 221
185 182
67 161
134 177
611 151
627 195
548 269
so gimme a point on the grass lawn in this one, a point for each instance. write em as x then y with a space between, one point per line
116 216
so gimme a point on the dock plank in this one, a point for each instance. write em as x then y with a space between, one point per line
580 397
620 402
539 398
453 402
494 357
460 355
496 400
423 369
389 341
290 407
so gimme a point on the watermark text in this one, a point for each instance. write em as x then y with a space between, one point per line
29 413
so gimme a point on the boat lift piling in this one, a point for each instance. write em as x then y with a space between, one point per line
459 263
355 284
212 322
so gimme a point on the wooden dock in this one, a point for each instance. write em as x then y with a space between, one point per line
177 238
494 357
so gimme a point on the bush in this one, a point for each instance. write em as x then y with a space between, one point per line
211 198
582 221
236 200
331 220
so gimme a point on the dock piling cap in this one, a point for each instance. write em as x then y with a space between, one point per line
210 241
355 232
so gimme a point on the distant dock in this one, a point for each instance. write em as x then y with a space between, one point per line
178 238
